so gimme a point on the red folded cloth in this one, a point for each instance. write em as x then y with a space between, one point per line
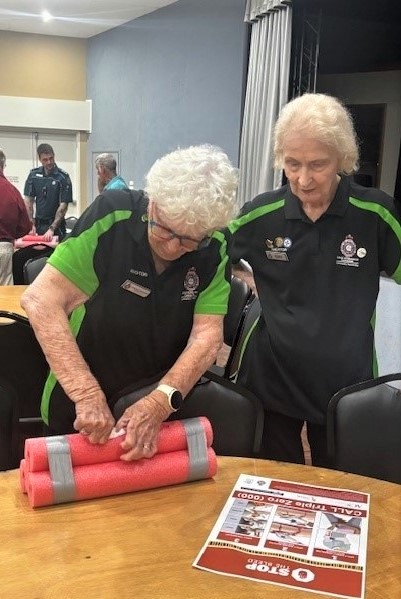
80 470
171 437
114 478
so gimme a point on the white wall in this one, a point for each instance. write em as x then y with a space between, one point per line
373 88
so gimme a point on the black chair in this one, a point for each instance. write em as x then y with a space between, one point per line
70 223
23 371
235 414
33 267
20 257
247 322
364 429
240 296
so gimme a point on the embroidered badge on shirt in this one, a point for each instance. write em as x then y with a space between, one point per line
350 253
191 284
135 288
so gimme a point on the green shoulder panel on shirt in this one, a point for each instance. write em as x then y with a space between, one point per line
214 299
74 257
76 319
254 214
389 219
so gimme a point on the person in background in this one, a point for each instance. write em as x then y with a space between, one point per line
317 247
14 223
138 291
107 177
49 188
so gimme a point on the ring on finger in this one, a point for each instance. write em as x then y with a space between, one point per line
146 446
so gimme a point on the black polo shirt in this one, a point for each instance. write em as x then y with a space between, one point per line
49 191
136 322
318 284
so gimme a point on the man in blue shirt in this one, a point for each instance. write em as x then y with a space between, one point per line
49 187
107 177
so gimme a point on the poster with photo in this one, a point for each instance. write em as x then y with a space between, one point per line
300 536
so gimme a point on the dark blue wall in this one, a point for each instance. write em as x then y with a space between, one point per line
171 78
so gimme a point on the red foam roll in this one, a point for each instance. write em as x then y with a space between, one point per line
22 475
115 478
171 437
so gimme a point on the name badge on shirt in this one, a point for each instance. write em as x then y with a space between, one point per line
277 256
135 288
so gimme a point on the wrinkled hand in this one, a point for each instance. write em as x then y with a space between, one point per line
48 236
94 419
142 421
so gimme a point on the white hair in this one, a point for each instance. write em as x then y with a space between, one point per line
321 117
198 183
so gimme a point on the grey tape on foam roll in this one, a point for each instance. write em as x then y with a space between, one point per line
60 467
197 449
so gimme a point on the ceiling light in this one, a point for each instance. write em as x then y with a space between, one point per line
46 16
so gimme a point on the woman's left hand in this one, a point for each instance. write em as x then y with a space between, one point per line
141 422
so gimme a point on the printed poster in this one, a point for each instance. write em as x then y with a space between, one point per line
292 534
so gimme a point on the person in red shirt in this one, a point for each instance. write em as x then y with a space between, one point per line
14 223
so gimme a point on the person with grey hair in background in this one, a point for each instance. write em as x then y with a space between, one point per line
107 178
317 247
139 290
14 223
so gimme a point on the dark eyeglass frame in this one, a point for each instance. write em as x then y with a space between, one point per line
199 244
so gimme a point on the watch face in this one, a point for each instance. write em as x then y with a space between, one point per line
176 400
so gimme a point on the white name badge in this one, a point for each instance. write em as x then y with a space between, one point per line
277 256
135 288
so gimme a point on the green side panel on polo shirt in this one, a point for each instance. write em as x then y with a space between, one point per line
76 319
214 299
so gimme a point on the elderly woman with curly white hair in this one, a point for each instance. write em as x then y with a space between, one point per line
139 290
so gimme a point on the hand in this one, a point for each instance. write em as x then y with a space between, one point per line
94 419
33 230
142 421
48 236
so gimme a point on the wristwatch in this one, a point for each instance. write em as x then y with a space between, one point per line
51 228
175 399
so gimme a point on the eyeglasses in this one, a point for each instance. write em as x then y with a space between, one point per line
167 234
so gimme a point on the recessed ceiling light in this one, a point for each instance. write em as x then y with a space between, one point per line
46 16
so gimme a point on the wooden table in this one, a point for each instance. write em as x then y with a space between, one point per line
142 545
10 296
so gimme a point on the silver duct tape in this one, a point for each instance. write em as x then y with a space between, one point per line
60 467
197 449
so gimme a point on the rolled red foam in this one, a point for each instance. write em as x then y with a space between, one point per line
22 475
115 478
172 437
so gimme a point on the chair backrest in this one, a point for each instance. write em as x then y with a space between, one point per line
364 429
23 370
240 295
33 267
70 223
235 414
249 318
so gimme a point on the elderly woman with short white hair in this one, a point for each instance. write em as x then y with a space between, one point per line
139 290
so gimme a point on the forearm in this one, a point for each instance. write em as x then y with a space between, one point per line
199 354
60 214
29 207
59 346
